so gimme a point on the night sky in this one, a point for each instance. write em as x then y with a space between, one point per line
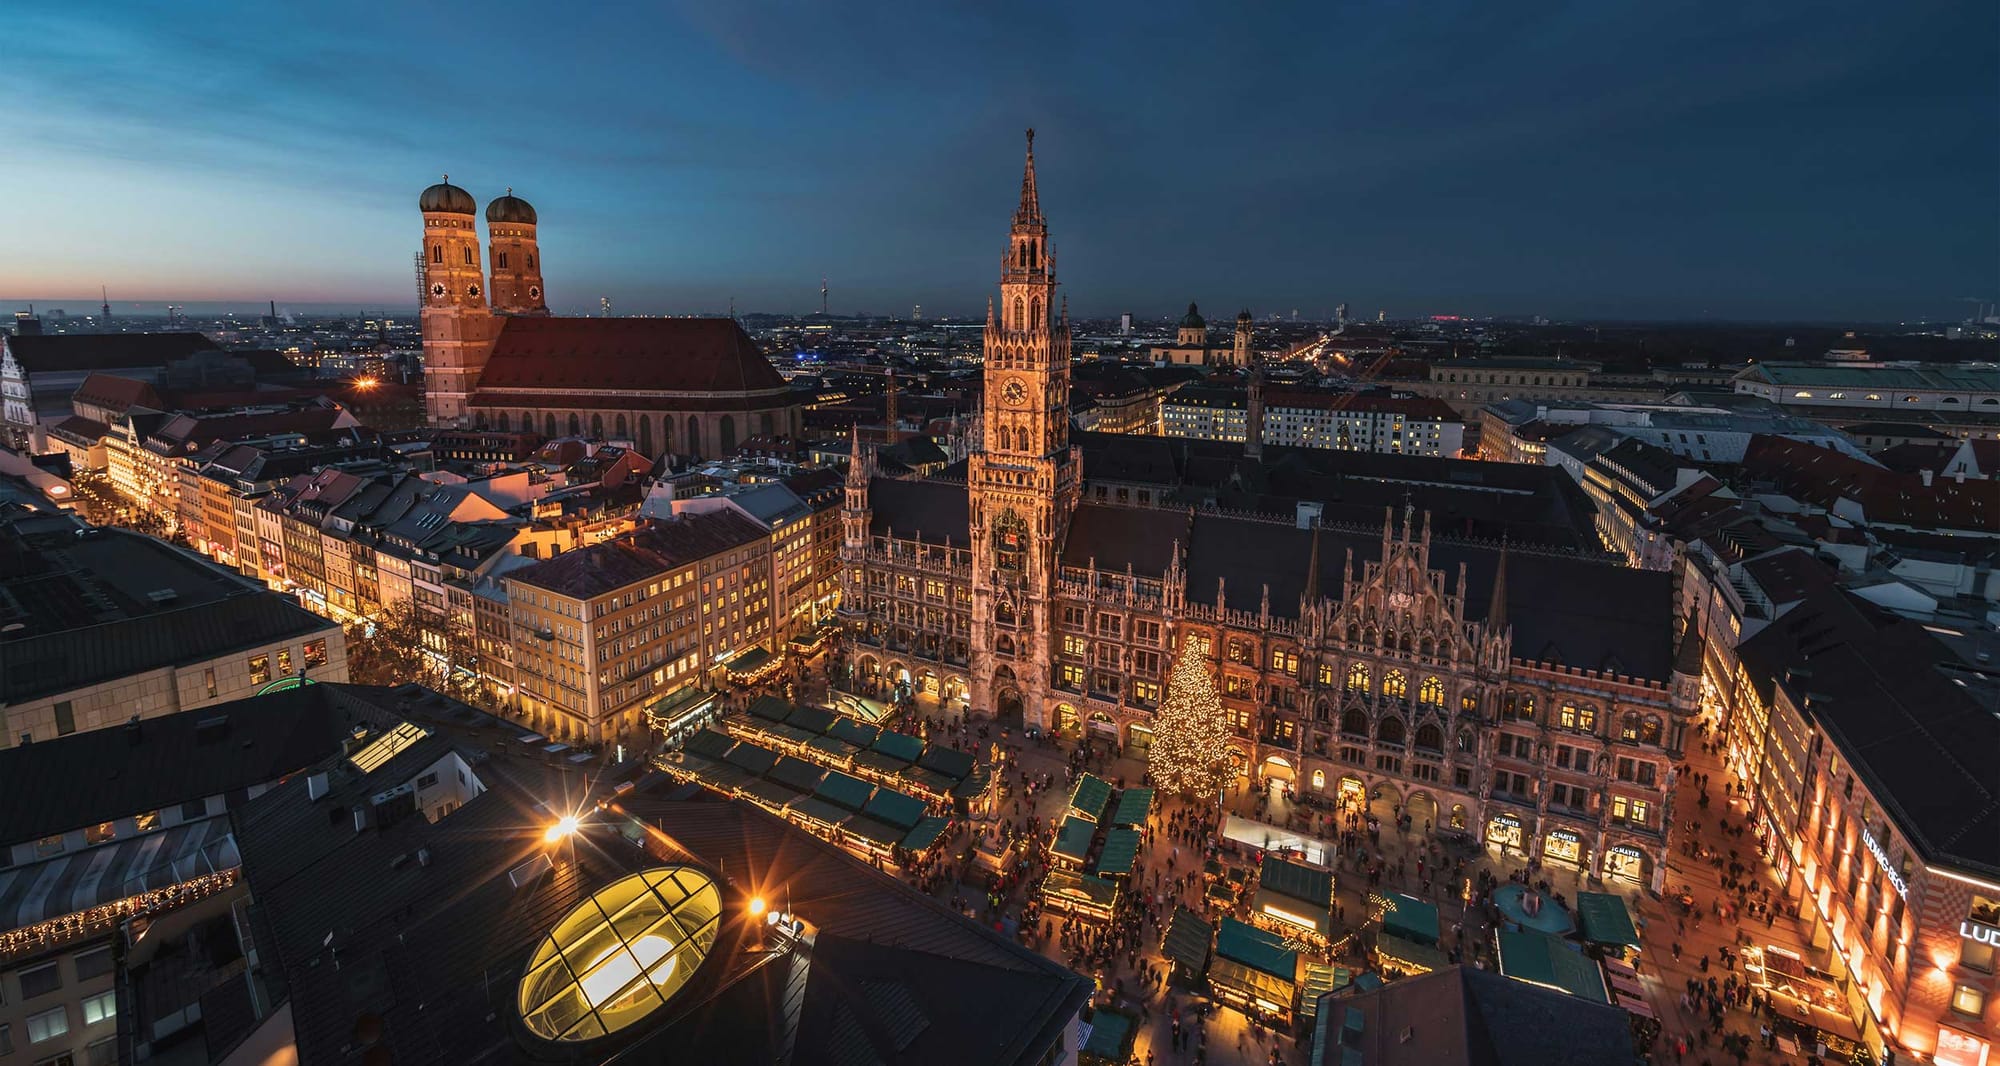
1836 161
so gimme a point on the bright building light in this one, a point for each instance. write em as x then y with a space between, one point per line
563 827
756 905
612 972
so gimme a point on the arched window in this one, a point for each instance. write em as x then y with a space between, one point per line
575 425
1354 724
1319 780
728 434
1467 743
597 426
1649 730
619 429
646 436
764 425
531 260
1431 693
437 253
1395 685
1034 312
1391 731
694 436
502 257
468 255
1357 677
549 425
1577 719
500 421
1628 727
1468 704
1430 737
666 433
1020 314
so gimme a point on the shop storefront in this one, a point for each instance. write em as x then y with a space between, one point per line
1353 793
1958 1048
1563 847
1623 862
1138 742
1504 832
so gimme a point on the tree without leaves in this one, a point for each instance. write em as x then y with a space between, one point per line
411 644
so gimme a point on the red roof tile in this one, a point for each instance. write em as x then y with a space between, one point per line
607 355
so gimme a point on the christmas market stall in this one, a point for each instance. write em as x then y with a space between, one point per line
1551 962
1133 805
1090 796
1254 971
1119 854
1079 894
1186 945
1605 922
1294 899
1072 843
1407 941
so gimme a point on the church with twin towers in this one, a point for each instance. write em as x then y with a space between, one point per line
1430 652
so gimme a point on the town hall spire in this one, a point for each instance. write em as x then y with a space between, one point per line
1030 211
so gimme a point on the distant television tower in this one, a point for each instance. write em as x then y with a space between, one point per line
822 297
604 306
105 295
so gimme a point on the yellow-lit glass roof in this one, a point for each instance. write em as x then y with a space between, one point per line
621 955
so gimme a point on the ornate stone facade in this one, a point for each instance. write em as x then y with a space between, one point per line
1530 700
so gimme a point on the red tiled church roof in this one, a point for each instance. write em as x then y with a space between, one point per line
610 355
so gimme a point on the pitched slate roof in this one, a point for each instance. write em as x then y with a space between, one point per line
655 548
1463 1016
936 510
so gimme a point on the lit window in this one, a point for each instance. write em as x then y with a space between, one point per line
101 1007
621 955
1968 999
48 1025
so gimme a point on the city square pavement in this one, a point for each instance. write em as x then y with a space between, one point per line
1131 979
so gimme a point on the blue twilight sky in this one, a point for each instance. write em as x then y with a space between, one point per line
1824 159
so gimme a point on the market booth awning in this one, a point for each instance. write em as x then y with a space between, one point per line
1296 894
1133 806
750 663
1605 919
770 708
1070 892
1541 959
1187 942
1090 796
1409 918
1121 851
1073 839
1254 966
929 829
1408 956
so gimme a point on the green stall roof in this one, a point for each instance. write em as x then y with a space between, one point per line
770 793
1133 805
845 789
856 733
798 774
819 810
1073 839
1255 948
815 719
711 743
1089 796
928 780
950 762
895 808
899 745
770 708
1541 959
880 834
1188 939
1605 919
1411 918
1121 851
1110 1036
754 758
1069 884
927 832
832 747
1296 880
878 762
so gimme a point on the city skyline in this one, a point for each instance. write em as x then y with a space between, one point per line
1731 166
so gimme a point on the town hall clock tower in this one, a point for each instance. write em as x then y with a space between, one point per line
1025 477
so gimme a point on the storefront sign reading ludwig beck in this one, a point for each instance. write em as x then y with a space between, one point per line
1979 932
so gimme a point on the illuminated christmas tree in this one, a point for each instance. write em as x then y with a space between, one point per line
1190 754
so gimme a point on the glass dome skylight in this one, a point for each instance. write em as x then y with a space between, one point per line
621 955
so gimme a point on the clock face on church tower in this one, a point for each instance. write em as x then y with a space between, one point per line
437 290
1014 393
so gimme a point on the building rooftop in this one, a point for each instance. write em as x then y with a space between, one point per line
69 352
1935 376
79 609
433 925
552 355
662 545
1464 1016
